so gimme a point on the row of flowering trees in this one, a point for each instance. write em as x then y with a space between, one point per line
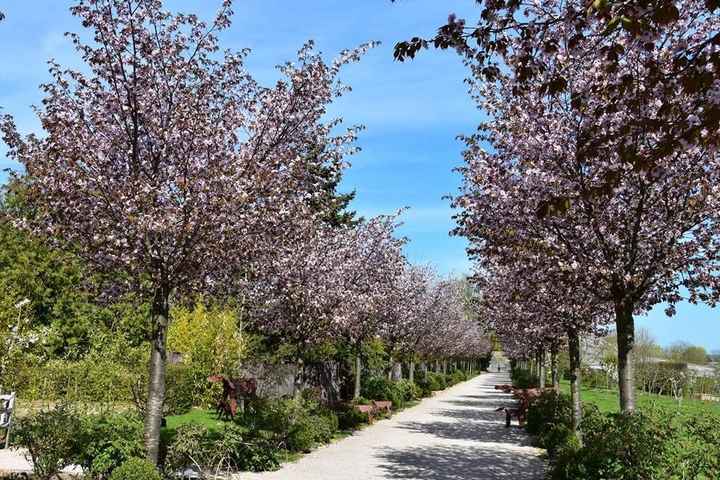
353 285
174 175
590 192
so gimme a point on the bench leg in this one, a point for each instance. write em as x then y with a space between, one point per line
508 418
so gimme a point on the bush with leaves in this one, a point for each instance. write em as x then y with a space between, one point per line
549 420
350 418
180 390
188 447
136 469
106 441
617 446
211 343
458 376
408 390
233 449
50 438
293 423
423 384
647 444
522 378
380 388
436 381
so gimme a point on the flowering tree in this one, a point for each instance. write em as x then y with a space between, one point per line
166 165
406 319
301 291
369 278
580 181
650 96
449 331
527 38
534 306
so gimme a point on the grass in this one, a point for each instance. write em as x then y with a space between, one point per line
608 400
207 418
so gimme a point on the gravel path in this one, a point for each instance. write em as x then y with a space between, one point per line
456 435
14 461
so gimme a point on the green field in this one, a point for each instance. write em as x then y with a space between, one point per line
208 418
607 400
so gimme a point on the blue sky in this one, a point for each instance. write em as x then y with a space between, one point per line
412 111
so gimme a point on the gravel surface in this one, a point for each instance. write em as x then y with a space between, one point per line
455 435
14 461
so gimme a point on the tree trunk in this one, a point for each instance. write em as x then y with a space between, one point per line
541 368
298 380
444 367
574 350
555 374
160 316
395 371
411 371
625 325
358 370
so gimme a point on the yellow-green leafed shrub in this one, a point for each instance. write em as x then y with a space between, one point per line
210 341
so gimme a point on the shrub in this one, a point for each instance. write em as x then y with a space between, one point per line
302 435
319 427
234 451
257 456
653 443
296 423
351 419
617 446
235 448
279 416
50 438
549 419
423 384
408 390
549 409
380 388
456 377
436 381
180 388
522 378
106 441
189 447
136 469
326 425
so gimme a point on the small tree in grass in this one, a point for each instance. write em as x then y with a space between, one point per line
166 165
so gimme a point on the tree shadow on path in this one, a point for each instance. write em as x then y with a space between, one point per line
458 463
484 448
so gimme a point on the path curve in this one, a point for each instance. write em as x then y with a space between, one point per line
455 435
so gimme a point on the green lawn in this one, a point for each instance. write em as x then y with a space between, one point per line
607 400
208 418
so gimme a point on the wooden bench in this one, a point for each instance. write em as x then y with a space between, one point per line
525 397
383 406
367 409
504 388
7 405
375 408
